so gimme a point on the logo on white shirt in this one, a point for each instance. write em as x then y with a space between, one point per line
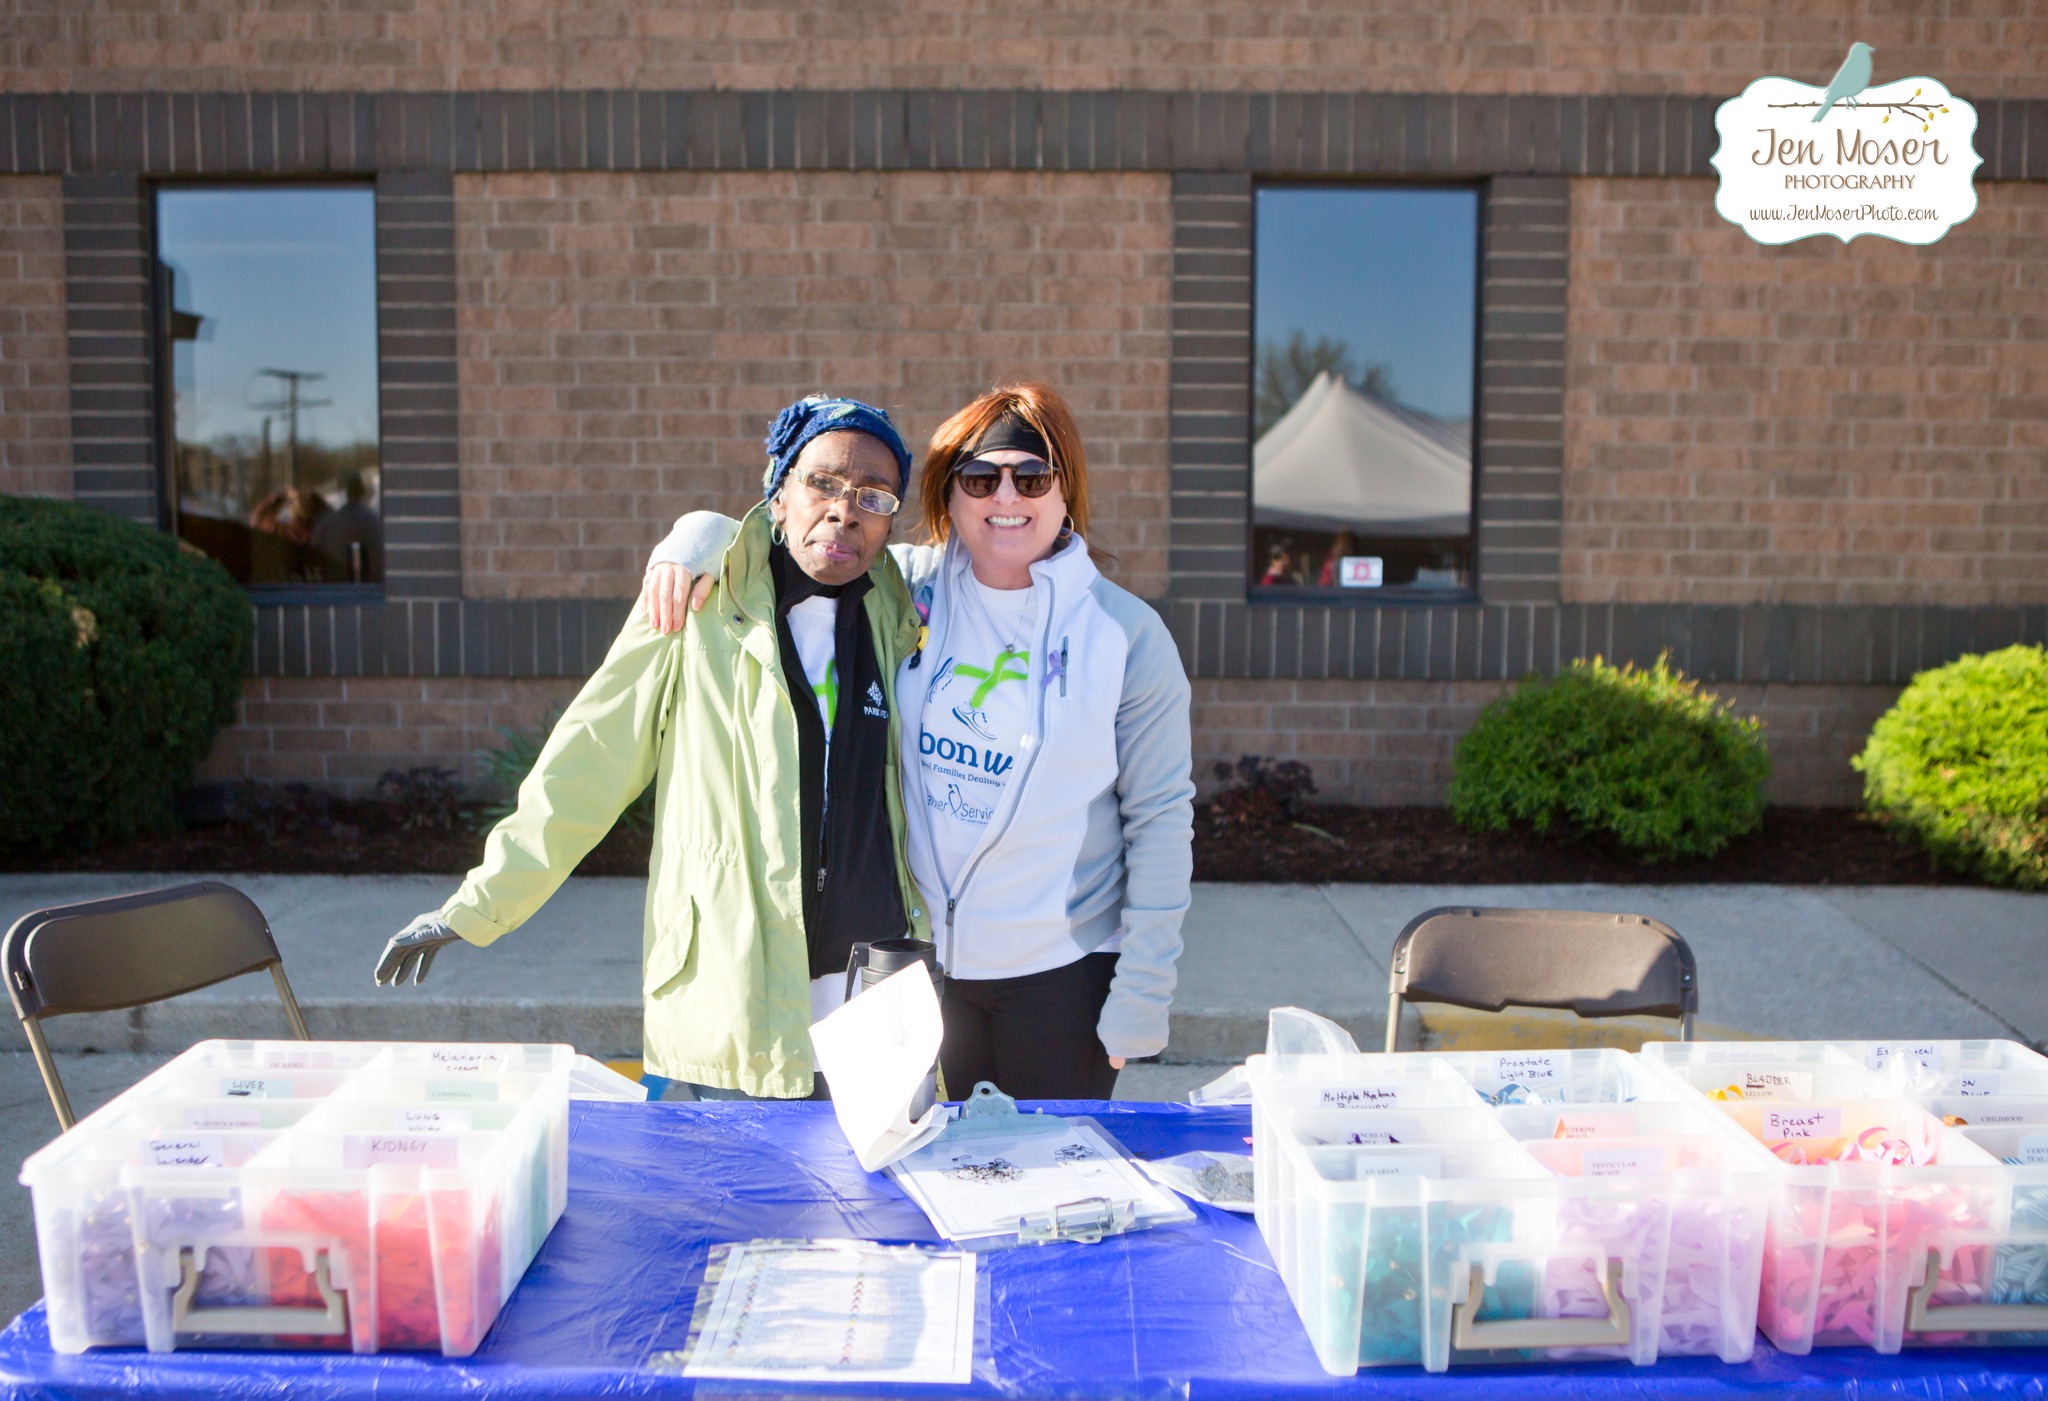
975 720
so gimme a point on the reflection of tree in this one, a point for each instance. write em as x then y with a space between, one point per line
1286 371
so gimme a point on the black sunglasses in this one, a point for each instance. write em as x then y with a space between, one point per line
979 477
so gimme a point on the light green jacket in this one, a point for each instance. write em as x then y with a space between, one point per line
705 714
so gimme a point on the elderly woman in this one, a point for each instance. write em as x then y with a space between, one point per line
1047 769
759 772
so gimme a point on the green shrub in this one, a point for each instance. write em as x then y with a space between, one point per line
1961 764
1643 757
121 656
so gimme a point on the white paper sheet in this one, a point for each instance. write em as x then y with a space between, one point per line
875 1051
980 1187
839 1311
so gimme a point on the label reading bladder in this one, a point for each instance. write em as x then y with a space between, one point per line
1776 1084
1622 1162
361 1150
1811 1122
198 1151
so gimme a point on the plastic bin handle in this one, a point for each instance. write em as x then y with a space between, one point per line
1472 1334
262 1319
1923 1315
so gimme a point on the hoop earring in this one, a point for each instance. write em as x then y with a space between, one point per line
776 536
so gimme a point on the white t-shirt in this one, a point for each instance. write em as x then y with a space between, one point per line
813 626
977 718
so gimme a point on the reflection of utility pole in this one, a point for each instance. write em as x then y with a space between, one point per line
292 402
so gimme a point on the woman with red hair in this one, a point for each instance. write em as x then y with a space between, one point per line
1046 756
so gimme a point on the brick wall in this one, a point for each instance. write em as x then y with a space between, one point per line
625 338
1982 48
35 395
1816 423
344 733
1388 743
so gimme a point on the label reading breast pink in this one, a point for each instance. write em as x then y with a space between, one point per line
361 1150
1596 1123
1814 1122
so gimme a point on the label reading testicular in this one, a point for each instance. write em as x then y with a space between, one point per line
420 1119
361 1150
1777 1084
1802 1123
186 1152
255 1087
1529 1069
1361 1097
465 1060
1622 1162
222 1116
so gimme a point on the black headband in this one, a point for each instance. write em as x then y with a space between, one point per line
1011 431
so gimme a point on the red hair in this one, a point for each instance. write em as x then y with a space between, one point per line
1038 405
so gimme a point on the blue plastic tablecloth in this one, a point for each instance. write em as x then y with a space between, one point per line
1184 1311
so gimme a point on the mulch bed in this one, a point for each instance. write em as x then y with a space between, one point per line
1420 846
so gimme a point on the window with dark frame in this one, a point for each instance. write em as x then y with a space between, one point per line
1365 304
267 332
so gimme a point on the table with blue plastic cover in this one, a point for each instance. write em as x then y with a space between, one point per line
1191 1310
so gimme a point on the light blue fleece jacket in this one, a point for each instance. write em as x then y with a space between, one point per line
1097 831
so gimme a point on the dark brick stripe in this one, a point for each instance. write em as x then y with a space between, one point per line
437 637
416 378
107 319
902 129
1524 255
1781 643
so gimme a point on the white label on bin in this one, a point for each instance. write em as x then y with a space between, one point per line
419 1119
465 1060
461 1090
288 1058
1530 1069
222 1116
1598 1123
1361 1097
255 1087
1622 1162
1402 1165
1995 1116
1777 1084
1814 1122
361 1150
1927 1054
186 1152
1978 1082
2034 1150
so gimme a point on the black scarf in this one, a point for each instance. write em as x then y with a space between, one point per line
850 890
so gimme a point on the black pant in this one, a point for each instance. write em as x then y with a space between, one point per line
1034 1036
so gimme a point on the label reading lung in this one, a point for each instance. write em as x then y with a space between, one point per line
422 1119
1812 1122
1622 1162
361 1150
1532 1070
255 1087
198 1151
465 1060
1925 1054
1777 1084
1596 1123
1978 1082
222 1116
1361 1097
2033 1150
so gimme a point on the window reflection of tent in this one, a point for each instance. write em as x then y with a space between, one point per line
1340 458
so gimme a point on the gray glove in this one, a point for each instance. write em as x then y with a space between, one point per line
412 949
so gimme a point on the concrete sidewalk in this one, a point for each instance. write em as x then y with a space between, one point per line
1773 960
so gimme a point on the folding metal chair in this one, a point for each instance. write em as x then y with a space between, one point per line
1597 965
107 955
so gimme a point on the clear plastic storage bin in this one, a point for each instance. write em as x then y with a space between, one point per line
348 1195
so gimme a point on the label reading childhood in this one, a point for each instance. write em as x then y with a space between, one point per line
1777 1084
1532 1070
255 1087
461 1091
2034 1150
465 1060
361 1150
1597 1123
1978 1082
1925 1054
418 1119
186 1152
1802 1123
1622 1162
222 1116
1361 1097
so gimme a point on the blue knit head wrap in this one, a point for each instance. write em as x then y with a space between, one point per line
818 414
